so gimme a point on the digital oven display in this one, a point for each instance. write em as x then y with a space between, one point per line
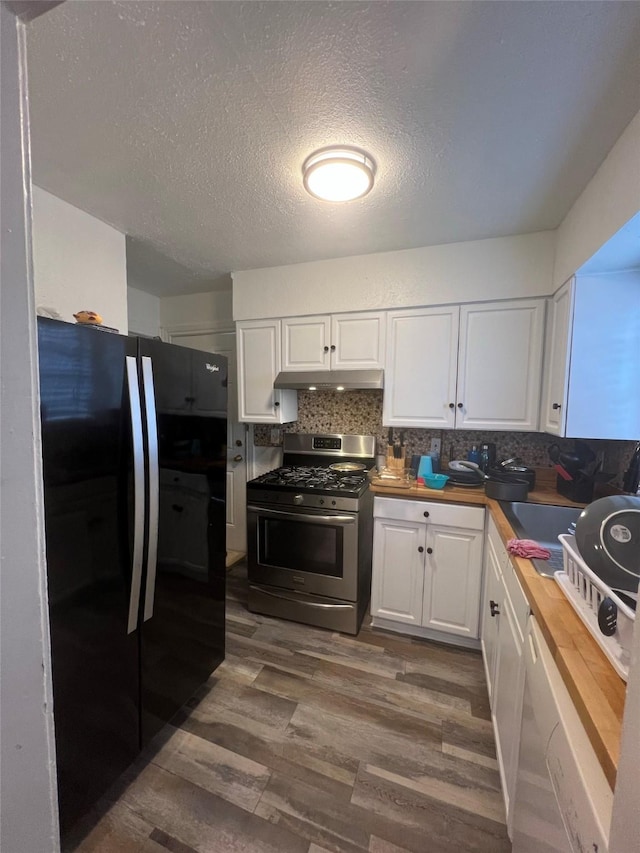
326 442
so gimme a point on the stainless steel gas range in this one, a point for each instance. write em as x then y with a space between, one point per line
310 533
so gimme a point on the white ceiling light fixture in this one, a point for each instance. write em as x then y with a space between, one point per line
338 173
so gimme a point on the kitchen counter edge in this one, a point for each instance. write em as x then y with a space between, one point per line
597 691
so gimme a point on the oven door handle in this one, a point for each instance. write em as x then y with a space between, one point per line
317 604
324 519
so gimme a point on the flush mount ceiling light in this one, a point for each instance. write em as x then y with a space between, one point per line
338 174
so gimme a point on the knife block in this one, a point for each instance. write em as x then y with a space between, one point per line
394 464
580 489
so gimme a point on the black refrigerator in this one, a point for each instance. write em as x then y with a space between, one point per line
134 438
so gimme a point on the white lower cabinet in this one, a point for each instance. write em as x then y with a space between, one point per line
503 626
427 568
398 570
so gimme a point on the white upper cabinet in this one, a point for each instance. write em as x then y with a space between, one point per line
259 348
593 353
556 374
306 343
470 367
420 374
500 365
358 341
334 342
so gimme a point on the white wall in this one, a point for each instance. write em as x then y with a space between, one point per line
79 263
144 312
479 270
28 808
197 309
609 201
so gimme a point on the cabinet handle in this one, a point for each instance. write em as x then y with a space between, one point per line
495 608
459 405
420 549
429 550
333 347
426 514
237 458
452 405
556 406
326 349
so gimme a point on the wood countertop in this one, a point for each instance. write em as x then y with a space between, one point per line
597 690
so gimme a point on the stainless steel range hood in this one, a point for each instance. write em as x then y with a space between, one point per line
331 380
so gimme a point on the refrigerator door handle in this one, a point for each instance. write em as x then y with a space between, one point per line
138 491
154 484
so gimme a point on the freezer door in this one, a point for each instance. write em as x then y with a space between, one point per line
86 446
183 630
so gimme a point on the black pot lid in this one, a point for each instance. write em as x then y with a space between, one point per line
608 538
620 538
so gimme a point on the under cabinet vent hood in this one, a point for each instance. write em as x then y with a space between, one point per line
331 380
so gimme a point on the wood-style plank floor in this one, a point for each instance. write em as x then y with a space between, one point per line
305 741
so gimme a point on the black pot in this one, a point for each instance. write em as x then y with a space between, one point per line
515 473
501 488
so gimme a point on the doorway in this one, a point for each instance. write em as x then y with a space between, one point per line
223 342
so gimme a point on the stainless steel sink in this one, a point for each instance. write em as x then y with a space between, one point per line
543 523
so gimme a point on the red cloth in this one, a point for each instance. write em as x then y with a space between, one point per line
528 548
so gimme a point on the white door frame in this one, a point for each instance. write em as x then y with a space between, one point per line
173 334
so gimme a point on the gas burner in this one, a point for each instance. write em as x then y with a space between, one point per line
312 478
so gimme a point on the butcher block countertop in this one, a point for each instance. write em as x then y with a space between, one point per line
597 690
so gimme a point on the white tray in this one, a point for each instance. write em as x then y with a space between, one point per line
585 590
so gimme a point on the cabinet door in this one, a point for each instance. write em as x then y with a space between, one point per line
557 346
500 365
489 615
305 343
398 570
506 707
420 371
358 341
453 575
258 343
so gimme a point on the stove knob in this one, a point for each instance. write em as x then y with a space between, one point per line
298 499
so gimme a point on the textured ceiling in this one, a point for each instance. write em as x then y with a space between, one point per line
185 124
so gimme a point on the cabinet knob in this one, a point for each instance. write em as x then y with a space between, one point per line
420 549
452 405
459 405
556 406
238 442
237 458
333 347
276 404
495 608
429 550
326 349
426 514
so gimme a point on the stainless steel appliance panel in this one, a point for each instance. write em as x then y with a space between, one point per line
328 613
308 550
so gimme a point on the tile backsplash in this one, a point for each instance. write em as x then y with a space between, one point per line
360 412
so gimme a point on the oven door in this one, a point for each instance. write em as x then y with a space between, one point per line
313 551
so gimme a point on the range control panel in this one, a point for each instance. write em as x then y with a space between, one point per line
327 442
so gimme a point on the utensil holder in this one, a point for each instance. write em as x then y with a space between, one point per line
394 463
580 489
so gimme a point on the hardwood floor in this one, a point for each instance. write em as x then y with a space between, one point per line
309 741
